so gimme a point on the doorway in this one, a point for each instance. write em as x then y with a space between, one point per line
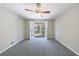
38 29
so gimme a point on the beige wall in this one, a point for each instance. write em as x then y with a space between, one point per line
67 29
27 30
12 28
50 29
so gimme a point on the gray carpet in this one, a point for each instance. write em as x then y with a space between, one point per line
38 47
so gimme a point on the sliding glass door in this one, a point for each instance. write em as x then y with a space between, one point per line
38 29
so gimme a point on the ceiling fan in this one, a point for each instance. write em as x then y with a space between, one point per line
38 9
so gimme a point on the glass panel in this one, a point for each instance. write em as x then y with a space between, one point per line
39 30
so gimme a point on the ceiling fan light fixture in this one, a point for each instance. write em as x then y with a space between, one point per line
38 10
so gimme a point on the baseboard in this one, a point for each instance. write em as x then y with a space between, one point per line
27 38
9 47
68 47
50 38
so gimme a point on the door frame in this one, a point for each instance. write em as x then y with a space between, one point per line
32 29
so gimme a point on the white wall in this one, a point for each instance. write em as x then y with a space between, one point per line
67 29
50 29
12 28
27 30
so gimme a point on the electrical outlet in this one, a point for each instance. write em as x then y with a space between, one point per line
12 42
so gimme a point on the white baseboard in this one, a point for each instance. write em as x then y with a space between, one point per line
48 38
9 47
68 47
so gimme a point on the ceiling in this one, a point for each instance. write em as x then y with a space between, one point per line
54 8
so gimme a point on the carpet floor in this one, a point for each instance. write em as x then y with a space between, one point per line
38 47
